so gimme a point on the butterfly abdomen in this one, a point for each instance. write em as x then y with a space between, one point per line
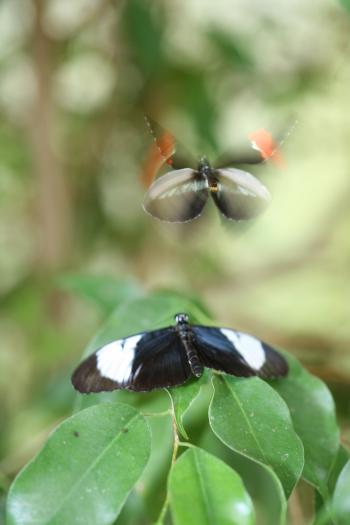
191 352
193 360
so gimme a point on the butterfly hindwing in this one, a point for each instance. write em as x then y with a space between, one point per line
239 195
178 196
237 353
141 362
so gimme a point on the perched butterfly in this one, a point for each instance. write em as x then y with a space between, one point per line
180 195
170 356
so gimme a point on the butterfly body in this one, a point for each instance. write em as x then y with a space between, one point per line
186 336
181 194
170 356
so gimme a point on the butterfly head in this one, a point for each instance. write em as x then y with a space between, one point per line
181 319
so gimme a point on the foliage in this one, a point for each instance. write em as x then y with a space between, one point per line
204 490
85 471
75 81
90 463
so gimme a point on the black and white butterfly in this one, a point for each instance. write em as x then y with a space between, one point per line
170 356
181 194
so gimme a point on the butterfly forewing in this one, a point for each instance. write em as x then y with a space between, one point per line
141 362
246 156
239 195
178 196
237 353
161 363
170 356
173 152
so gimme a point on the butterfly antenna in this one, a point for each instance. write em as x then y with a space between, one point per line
289 131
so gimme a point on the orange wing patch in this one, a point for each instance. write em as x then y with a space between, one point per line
262 141
160 152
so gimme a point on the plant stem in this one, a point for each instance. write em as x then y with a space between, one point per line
186 444
157 414
164 508
176 440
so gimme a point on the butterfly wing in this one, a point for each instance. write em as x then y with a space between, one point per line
141 362
178 196
239 195
263 147
247 155
165 149
237 353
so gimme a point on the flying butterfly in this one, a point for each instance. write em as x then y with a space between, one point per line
170 356
181 194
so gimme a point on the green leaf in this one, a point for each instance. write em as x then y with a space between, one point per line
251 418
236 53
199 103
342 458
182 398
341 498
142 314
106 292
273 503
85 470
204 490
345 4
313 414
144 33
196 302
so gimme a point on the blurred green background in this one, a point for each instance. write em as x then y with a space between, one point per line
75 81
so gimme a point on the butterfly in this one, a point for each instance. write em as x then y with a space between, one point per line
170 356
181 194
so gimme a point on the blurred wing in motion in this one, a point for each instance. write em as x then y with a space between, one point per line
159 153
178 196
164 150
141 362
237 353
247 155
262 148
263 142
239 195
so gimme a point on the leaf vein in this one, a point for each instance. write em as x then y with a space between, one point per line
93 464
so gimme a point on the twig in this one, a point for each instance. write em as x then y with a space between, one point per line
164 508
54 212
157 414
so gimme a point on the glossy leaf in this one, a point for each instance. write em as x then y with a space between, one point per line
273 502
85 470
260 481
182 398
145 313
313 414
107 292
341 498
343 456
252 419
204 490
